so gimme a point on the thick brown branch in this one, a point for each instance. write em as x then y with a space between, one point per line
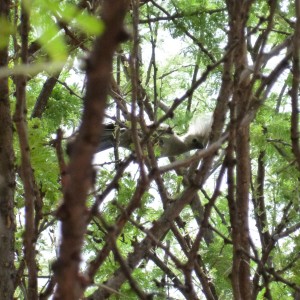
259 203
295 88
73 212
27 176
42 100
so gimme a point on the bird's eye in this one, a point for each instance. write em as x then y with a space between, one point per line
194 140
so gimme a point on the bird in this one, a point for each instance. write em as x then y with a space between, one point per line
170 144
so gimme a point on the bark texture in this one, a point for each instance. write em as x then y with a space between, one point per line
73 211
7 179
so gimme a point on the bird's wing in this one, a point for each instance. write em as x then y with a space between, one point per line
108 137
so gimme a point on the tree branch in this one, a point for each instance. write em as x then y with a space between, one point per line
73 212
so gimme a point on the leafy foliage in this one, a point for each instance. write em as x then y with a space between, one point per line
166 228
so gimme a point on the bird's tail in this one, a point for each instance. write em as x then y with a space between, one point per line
108 138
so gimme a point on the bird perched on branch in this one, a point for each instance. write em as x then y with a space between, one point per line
170 144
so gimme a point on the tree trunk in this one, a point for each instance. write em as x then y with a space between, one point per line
7 179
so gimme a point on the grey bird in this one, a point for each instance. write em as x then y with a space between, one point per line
169 143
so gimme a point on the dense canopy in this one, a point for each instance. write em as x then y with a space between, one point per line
220 222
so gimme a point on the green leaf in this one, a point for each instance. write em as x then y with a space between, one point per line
90 24
81 19
6 29
53 42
